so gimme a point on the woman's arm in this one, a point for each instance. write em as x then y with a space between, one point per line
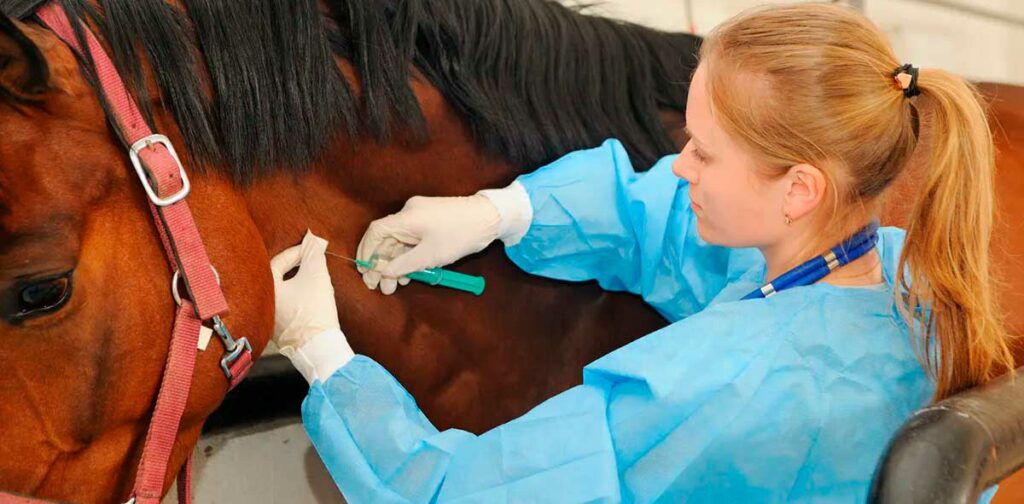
379 447
595 218
586 216
713 407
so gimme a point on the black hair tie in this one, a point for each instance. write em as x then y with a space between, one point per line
909 86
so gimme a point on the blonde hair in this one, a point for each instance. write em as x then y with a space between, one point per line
814 83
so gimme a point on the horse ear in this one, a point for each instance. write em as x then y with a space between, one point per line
24 74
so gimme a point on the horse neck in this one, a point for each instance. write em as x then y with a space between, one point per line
355 184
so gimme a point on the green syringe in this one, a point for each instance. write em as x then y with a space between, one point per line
435 276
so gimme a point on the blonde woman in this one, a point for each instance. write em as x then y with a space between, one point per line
802 334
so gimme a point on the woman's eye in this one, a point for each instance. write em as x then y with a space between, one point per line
44 296
701 158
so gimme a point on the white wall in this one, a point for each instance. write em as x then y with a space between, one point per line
972 46
923 34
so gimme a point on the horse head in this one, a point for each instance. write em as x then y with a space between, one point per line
85 303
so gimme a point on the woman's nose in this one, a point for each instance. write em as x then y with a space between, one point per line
684 168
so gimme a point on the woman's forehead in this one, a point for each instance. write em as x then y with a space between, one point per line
700 124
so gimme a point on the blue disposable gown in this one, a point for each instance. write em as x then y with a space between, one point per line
787 399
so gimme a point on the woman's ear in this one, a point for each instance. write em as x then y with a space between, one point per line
805 189
24 74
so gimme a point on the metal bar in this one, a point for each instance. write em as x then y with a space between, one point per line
951 451
992 15
688 5
857 5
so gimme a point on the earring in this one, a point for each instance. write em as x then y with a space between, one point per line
788 220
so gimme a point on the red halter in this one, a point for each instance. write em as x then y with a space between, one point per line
167 186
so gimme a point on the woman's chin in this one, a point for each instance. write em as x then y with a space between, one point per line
711 236
703 232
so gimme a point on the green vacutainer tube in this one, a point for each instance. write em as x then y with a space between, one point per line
443 278
451 279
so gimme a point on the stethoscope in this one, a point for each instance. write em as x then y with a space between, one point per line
819 267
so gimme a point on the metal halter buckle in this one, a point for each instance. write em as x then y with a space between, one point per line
177 276
145 143
232 346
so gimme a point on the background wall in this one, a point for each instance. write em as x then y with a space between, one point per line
925 33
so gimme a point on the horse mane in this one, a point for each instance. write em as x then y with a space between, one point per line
531 78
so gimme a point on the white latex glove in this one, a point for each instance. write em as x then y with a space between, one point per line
305 303
434 232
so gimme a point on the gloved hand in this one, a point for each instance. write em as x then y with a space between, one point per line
434 232
305 302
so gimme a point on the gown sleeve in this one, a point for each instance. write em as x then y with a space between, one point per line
595 218
740 403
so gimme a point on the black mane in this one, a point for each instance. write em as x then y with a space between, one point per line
532 79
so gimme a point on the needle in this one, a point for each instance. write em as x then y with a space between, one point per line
361 264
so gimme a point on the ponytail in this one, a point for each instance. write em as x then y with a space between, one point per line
944 267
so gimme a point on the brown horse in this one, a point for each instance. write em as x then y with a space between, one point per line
1007 112
84 285
79 377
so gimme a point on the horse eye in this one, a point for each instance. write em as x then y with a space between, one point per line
44 296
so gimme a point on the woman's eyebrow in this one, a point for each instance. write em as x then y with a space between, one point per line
689 134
